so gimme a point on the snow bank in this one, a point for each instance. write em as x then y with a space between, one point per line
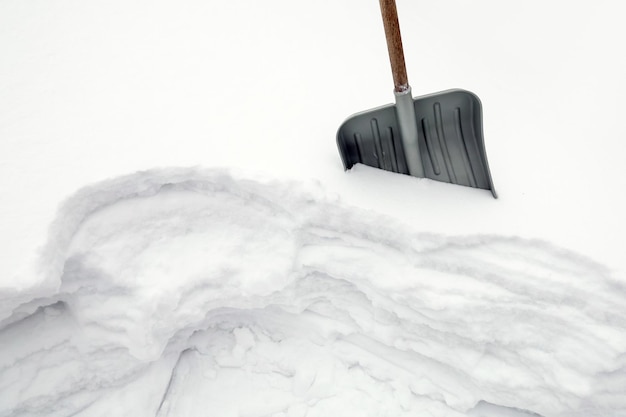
177 291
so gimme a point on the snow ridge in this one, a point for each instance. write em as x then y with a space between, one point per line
206 283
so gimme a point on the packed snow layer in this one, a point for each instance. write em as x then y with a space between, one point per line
186 292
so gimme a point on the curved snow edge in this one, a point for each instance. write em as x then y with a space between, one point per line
18 303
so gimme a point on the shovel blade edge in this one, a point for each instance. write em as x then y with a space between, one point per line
450 131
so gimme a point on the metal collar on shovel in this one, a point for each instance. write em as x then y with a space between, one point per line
437 136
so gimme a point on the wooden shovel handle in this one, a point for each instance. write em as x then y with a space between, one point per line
394 45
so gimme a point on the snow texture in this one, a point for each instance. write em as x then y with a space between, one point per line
178 236
181 292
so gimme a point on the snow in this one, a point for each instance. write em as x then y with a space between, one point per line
179 237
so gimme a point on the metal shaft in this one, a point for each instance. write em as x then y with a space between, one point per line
407 122
405 109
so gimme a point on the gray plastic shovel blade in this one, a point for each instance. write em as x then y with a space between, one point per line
450 139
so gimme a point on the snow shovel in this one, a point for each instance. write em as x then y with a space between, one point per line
437 136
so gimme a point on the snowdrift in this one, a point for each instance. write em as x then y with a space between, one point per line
186 291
